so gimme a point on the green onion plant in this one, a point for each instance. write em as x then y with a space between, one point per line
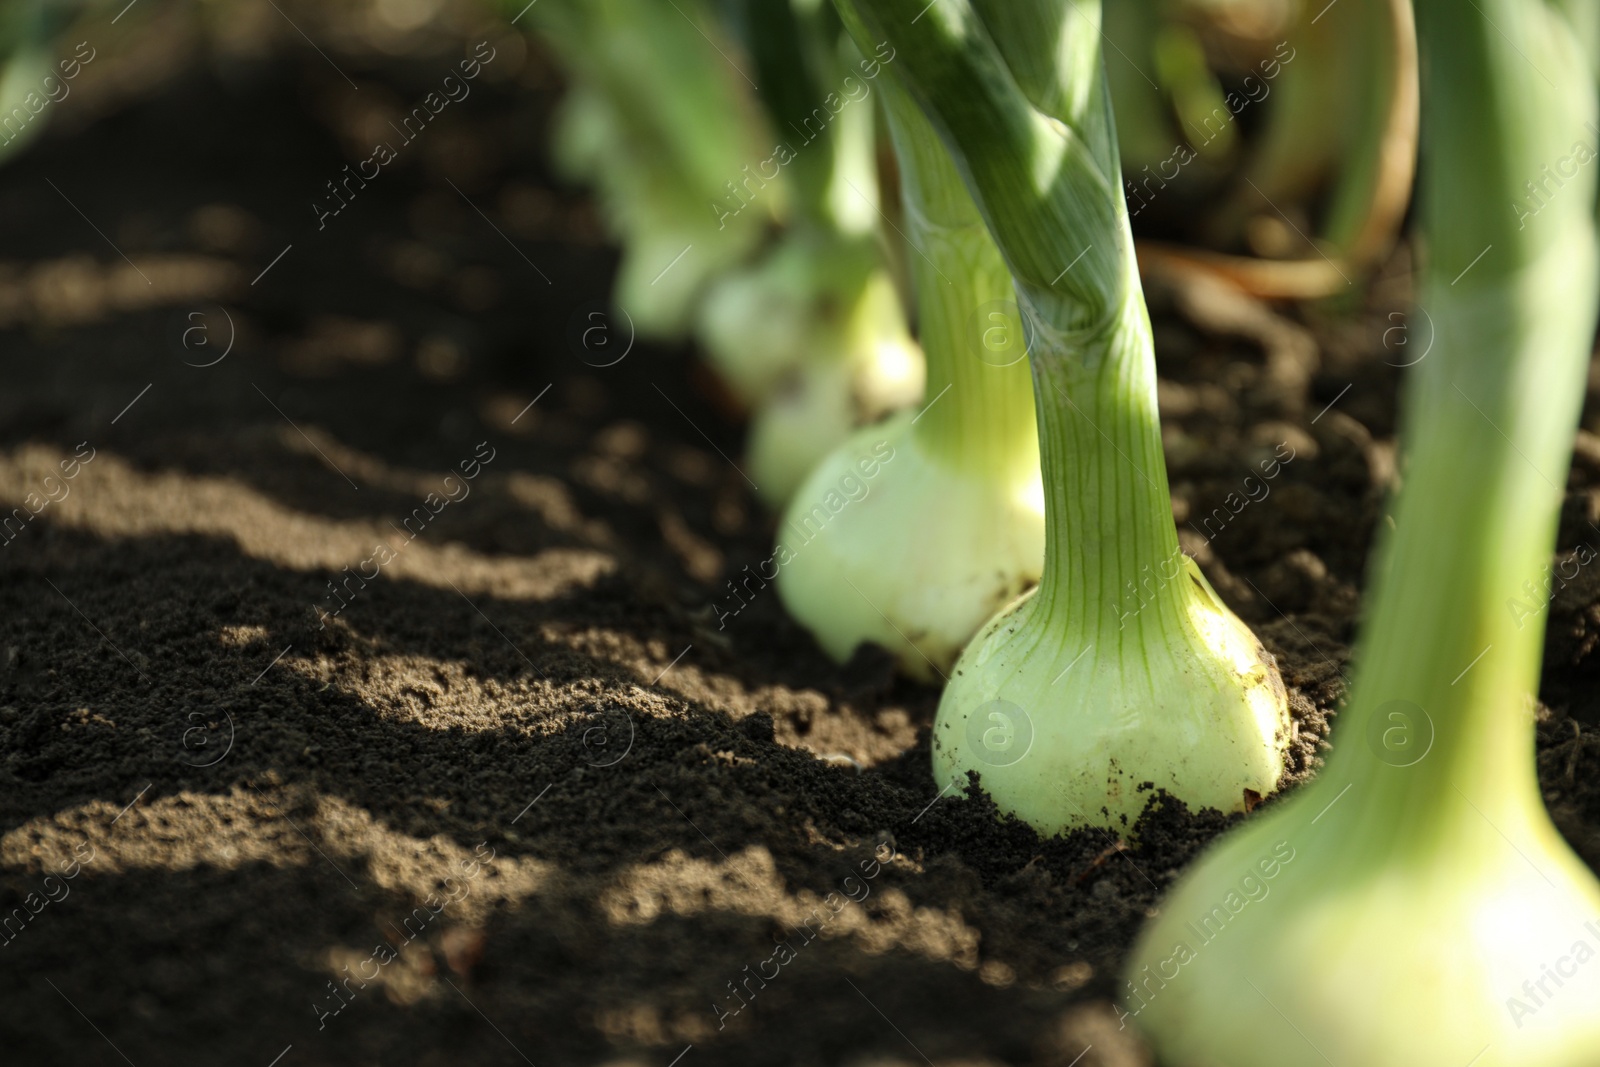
951 528
658 124
812 337
1432 916
1122 668
758 231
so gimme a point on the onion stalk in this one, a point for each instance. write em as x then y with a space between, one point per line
1122 667
952 529
1432 915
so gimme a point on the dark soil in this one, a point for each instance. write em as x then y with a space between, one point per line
522 799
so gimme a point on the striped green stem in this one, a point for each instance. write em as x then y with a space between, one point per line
1038 148
1124 668
1489 416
